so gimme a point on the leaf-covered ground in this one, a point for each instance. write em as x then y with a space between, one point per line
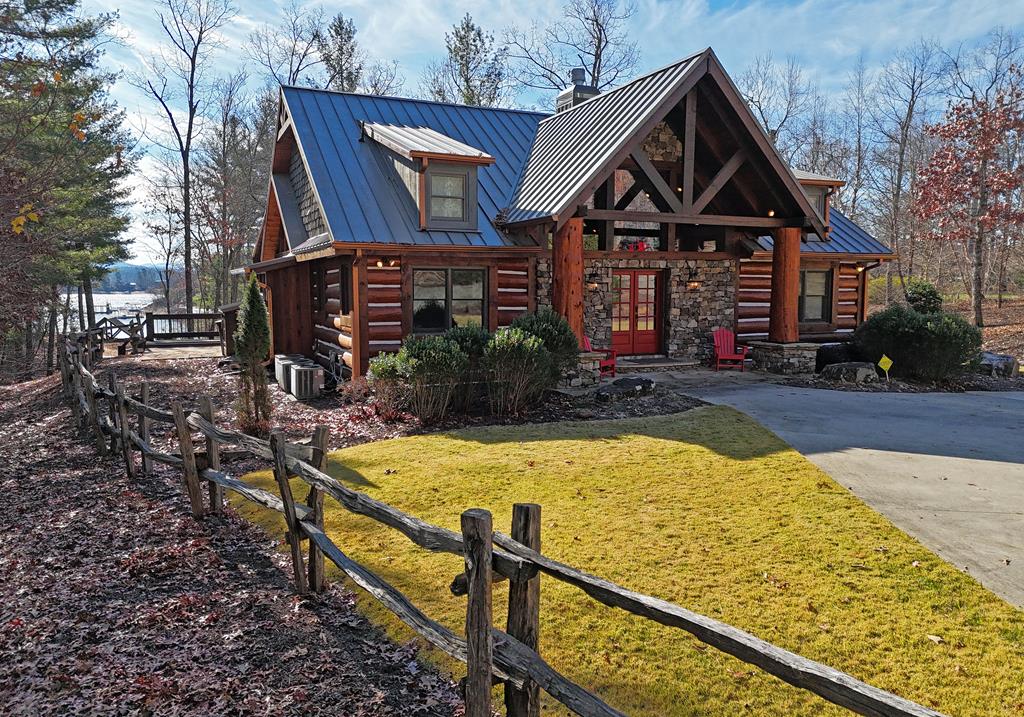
114 600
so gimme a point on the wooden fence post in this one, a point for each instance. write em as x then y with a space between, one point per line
524 611
122 422
144 425
74 389
188 460
112 410
89 389
294 534
216 491
315 501
478 549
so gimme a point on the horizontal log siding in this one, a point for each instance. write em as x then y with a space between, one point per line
332 329
513 296
384 300
753 299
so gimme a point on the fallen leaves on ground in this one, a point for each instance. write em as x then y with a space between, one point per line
114 600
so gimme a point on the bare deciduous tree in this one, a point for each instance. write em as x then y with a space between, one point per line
905 86
289 51
176 78
780 98
592 34
382 78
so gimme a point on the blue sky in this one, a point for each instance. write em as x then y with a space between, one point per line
826 36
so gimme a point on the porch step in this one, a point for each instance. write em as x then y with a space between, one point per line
646 364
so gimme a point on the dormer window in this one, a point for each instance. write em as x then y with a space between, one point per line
451 196
438 173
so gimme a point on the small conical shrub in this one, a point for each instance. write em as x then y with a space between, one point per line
252 346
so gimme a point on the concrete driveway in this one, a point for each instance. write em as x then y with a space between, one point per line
946 468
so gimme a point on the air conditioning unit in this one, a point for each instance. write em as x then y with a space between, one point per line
307 379
282 369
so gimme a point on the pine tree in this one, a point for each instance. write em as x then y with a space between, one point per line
473 72
252 344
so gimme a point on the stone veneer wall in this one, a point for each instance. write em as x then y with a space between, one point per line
688 316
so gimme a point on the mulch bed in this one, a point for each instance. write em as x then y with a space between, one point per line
958 385
114 600
348 412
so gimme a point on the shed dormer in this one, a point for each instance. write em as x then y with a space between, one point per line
818 188
438 173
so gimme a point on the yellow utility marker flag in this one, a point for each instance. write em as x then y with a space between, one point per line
885 363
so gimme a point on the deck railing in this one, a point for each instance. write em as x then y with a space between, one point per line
184 327
510 656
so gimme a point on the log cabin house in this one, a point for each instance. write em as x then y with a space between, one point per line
647 215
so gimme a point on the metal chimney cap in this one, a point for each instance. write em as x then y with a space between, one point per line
578 75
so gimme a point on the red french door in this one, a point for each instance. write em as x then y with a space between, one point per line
635 311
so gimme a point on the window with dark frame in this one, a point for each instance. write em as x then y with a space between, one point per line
444 298
815 295
450 197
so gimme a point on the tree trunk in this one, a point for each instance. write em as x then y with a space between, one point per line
51 338
186 222
90 307
29 352
67 312
978 285
81 309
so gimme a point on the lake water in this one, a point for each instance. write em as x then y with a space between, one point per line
117 304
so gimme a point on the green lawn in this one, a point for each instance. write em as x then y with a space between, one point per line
711 511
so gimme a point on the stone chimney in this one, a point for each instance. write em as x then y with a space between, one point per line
578 91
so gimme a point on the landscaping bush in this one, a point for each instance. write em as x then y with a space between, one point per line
434 366
389 377
930 347
552 329
519 368
473 342
923 297
252 344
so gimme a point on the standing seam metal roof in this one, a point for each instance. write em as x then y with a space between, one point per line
571 144
846 237
361 203
413 140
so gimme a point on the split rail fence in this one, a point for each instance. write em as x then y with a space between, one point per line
492 656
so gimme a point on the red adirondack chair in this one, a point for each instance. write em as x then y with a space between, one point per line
606 366
727 355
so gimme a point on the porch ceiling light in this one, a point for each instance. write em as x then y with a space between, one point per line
771 212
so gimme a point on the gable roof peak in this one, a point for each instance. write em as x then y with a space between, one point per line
684 61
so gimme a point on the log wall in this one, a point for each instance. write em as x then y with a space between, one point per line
753 299
332 314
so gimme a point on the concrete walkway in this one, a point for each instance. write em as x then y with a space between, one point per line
947 468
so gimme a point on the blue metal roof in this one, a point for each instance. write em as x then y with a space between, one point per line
360 202
846 237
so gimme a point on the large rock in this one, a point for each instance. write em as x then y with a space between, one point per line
625 388
850 372
993 364
838 352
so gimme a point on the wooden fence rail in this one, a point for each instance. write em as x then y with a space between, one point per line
511 656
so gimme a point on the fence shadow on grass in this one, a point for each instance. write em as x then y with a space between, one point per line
488 556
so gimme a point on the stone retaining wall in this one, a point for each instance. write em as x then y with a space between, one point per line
794 358
698 296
